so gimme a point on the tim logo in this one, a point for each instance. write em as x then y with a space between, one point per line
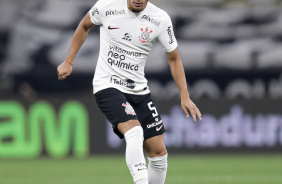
128 109
127 37
145 35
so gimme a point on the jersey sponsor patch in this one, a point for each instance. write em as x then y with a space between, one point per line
170 34
115 12
116 57
94 11
127 37
117 60
125 52
126 83
154 124
152 20
128 109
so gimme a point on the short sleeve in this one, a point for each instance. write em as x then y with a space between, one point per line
166 35
95 13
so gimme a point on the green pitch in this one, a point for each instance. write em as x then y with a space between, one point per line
211 169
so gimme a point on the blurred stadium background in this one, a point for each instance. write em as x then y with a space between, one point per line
232 54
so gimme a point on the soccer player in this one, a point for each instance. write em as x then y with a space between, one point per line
128 30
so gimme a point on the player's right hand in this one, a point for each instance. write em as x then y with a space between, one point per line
64 70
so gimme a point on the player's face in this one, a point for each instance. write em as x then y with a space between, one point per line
137 5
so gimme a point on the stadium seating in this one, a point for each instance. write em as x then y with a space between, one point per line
238 35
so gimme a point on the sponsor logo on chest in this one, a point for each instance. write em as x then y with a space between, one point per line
115 12
126 83
151 20
116 57
127 37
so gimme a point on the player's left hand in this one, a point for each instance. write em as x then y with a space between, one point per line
195 112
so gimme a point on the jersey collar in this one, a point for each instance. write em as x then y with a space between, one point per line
132 14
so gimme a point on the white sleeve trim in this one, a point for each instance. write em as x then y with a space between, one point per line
172 48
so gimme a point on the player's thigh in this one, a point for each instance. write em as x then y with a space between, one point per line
117 109
155 146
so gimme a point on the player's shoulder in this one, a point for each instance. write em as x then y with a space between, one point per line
106 8
156 10
158 14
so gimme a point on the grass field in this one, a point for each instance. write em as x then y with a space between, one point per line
202 169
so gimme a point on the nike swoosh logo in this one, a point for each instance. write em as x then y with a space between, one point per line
141 169
110 28
159 128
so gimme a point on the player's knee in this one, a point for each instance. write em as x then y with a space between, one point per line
158 152
161 152
158 163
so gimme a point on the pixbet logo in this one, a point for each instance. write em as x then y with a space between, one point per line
170 34
115 12
152 20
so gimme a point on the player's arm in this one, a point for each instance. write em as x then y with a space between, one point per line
80 35
178 75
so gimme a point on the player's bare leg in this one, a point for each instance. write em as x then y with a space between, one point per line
157 156
134 156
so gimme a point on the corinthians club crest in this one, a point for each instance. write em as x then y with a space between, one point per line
128 109
145 35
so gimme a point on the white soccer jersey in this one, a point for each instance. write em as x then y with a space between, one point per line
126 39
